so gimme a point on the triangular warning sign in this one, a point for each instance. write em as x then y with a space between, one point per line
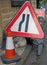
25 23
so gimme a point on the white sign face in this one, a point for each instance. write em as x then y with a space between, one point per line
25 23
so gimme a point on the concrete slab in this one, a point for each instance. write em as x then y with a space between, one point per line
24 55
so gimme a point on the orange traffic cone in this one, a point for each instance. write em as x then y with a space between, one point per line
10 56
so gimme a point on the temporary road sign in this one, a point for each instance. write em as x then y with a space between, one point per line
39 12
25 23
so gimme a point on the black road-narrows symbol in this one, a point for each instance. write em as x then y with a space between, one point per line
22 21
20 25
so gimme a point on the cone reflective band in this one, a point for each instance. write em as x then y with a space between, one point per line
10 54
